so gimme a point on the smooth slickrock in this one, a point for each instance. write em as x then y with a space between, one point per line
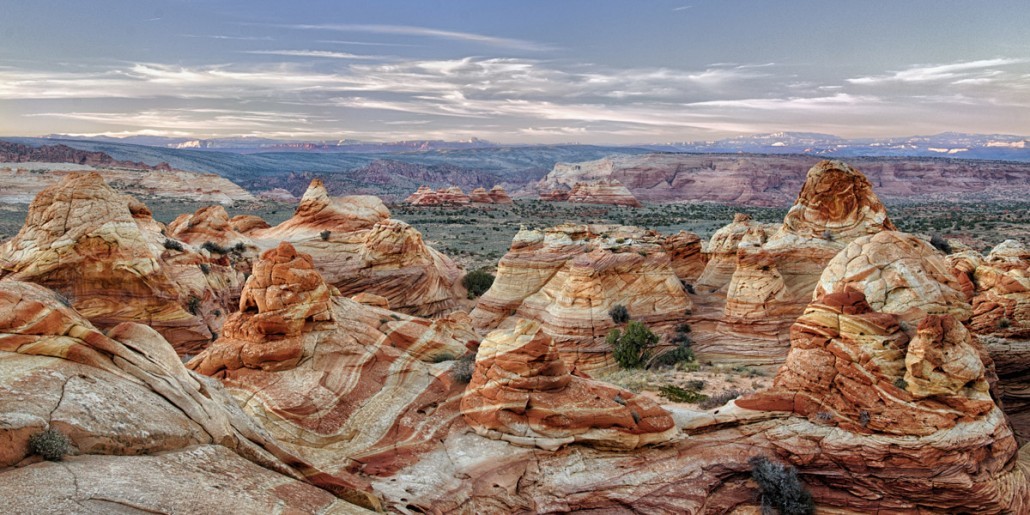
350 386
124 395
358 248
776 273
568 277
104 252
607 191
244 224
898 273
523 393
684 249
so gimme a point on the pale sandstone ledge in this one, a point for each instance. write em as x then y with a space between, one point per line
22 182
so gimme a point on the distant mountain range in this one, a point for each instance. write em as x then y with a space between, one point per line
949 144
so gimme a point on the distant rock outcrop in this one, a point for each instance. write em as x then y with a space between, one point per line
522 392
555 195
606 191
774 180
21 185
143 431
358 248
104 252
426 196
18 153
568 278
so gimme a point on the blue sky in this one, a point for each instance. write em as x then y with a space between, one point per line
518 72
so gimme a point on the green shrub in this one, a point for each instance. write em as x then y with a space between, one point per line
51 444
619 314
901 383
781 490
206 268
193 305
676 394
173 245
632 349
681 354
214 248
325 235
940 243
720 399
477 282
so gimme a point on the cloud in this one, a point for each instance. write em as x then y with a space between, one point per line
408 30
324 54
943 72
222 36
682 8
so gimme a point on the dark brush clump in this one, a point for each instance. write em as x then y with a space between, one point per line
781 490
51 444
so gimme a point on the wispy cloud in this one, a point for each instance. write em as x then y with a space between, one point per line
943 72
322 54
409 30
223 36
682 8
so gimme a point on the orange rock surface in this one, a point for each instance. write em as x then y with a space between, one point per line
568 277
107 256
144 432
358 248
523 393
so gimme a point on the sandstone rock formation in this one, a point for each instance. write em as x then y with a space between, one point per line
721 252
775 180
106 255
555 195
684 250
568 277
898 273
351 386
523 393
607 191
499 196
18 153
426 196
776 273
145 434
207 224
21 185
358 248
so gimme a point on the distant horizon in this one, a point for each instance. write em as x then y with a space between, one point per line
591 72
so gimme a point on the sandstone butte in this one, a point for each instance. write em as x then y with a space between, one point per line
568 278
358 248
776 271
496 195
1000 289
721 252
146 435
363 386
872 413
522 392
426 196
385 408
554 195
104 253
605 191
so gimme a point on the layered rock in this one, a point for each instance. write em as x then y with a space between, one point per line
607 191
568 278
684 250
426 196
721 252
876 395
499 196
351 386
144 432
522 392
358 248
207 224
1000 288
480 196
104 252
776 273
898 273
555 195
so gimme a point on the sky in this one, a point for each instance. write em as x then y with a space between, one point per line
556 71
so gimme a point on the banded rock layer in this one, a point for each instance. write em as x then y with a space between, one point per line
107 256
608 191
358 248
568 278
